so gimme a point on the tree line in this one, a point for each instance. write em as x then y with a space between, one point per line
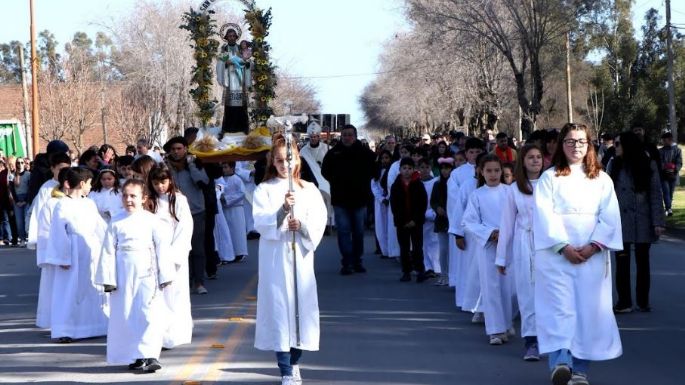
132 77
500 65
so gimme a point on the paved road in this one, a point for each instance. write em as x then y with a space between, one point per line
375 330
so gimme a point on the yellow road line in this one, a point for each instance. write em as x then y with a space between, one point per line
191 366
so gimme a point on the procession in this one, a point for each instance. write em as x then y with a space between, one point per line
259 240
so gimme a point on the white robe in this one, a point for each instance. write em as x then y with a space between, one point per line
431 251
380 213
133 259
223 244
573 302
39 201
244 170
108 202
481 218
275 328
79 307
468 278
393 244
516 251
233 199
177 295
457 266
314 158
47 271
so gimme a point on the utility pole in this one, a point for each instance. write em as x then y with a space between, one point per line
35 110
569 104
25 99
673 124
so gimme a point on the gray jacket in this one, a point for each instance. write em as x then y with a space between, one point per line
640 211
187 181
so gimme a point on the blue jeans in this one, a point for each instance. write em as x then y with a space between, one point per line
5 231
20 216
350 226
286 360
668 188
564 357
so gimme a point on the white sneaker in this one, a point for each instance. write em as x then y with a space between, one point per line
296 374
288 380
496 339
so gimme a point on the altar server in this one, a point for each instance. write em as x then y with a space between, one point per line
576 223
106 195
135 267
277 214
515 248
481 219
79 308
232 201
171 206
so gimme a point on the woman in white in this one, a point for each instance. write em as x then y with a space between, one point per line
79 309
379 189
278 214
515 248
171 206
576 223
135 268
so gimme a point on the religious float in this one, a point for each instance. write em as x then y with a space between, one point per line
244 69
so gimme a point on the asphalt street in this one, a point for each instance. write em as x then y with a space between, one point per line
375 330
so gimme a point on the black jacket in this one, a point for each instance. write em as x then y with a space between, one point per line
417 202
349 171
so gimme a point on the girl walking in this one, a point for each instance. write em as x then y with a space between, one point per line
515 248
287 302
576 223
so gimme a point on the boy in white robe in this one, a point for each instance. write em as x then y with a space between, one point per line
134 268
58 161
79 308
232 201
47 271
576 223
431 252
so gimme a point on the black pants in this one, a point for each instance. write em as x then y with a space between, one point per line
623 275
212 257
197 257
411 248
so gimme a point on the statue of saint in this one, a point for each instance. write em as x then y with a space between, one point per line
233 73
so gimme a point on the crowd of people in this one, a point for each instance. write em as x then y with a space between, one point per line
529 230
515 229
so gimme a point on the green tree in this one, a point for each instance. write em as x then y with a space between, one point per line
10 70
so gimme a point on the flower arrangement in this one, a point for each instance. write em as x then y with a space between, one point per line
202 30
263 72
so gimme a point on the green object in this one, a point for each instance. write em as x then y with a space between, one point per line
10 140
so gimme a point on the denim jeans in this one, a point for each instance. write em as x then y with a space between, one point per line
668 188
20 214
5 232
564 357
350 227
286 360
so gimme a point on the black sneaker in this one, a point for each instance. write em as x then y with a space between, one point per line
406 277
151 365
138 364
421 277
359 268
65 340
430 274
346 270
253 235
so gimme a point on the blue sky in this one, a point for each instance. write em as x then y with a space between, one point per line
325 40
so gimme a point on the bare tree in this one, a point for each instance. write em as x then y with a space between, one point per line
297 91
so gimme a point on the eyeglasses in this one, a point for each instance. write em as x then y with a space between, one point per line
575 142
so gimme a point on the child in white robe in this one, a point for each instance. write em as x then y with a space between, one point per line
222 237
393 173
379 189
515 247
278 215
481 219
47 271
135 267
105 193
171 206
79 308
431 251
232 200
576 223
438 201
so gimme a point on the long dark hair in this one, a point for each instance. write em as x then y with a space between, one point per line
559 161
97 185
634 160
278 141
520 173
143 165
160 173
